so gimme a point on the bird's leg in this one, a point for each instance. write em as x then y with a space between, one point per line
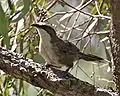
67 70
48 65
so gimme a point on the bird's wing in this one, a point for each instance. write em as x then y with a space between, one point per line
65 48
68 49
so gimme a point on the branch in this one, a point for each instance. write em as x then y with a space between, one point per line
56 81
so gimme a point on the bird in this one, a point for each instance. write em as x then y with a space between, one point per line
58 52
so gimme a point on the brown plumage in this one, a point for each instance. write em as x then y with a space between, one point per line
58 52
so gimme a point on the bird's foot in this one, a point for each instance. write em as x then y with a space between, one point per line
47 65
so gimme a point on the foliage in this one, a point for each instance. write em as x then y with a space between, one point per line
87 26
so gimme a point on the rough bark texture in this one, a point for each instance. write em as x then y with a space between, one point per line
115 38
56 81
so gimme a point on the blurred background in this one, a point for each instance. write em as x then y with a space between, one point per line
86 23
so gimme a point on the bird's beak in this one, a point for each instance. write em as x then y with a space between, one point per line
45 27
35 25
38 25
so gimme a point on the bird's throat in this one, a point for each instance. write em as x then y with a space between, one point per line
45 47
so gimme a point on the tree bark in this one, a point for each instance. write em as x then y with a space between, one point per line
56 81
115 38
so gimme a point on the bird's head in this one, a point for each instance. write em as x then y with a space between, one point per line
50 31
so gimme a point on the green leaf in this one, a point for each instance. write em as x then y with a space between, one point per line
6 41
11 6
94 11
28 55
43 2
25 9
4 27
6 85
3 22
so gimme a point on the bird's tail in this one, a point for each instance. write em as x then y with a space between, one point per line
90 57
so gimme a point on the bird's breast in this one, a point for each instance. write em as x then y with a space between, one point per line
48 53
